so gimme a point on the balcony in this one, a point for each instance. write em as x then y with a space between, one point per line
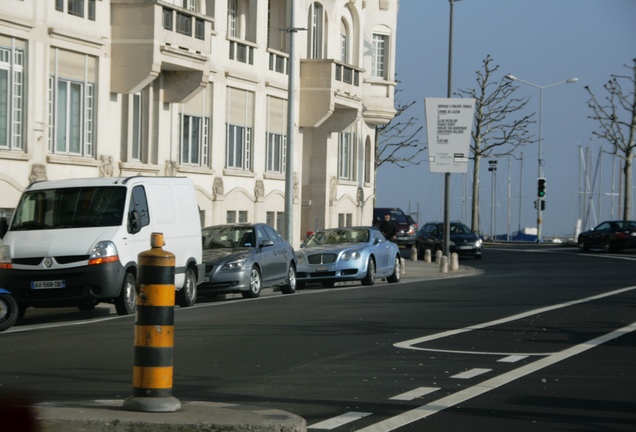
329 87
151 37
378 104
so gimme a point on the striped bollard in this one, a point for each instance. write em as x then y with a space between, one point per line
154 332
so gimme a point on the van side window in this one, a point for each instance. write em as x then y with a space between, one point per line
139 203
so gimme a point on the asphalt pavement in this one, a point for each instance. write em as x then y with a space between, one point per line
109 415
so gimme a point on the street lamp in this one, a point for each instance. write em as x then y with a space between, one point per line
540 160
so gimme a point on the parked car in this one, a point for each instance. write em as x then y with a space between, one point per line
348 254
463 241
245 258
406 226
609 236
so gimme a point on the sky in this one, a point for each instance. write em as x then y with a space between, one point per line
539 41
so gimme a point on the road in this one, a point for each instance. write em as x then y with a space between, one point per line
543 340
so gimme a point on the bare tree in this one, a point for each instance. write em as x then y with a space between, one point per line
398 141
498 124
616 115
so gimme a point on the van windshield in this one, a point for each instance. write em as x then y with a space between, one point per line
70 208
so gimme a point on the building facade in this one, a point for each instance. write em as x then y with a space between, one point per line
199 88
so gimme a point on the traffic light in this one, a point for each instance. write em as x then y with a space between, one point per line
541 189
542 204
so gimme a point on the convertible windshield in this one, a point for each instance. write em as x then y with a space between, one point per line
70 208
228 237
338 236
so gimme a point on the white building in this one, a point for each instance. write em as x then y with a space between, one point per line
199 88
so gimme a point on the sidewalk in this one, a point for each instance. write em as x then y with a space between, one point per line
109 416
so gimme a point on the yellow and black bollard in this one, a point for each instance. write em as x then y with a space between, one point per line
154 332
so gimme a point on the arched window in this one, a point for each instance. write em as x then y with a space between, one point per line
316 30
344 42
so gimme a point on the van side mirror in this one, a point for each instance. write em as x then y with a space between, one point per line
134 222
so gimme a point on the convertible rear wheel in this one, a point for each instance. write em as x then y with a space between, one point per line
369 279
583 247
397 271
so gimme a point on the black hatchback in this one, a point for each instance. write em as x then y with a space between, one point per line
463 241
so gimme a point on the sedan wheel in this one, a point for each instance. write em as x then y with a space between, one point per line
369 279
255 284
290 285
583 247
187 295
397 271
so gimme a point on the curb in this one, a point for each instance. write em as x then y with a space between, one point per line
109 416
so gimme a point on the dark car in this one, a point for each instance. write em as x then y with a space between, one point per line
406 226
244 258
463 241
609 236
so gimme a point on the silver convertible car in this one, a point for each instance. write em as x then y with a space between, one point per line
347 254
244 258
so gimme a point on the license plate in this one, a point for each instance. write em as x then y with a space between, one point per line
48 284
321 268
466 247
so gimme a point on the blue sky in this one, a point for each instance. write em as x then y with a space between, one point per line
540 41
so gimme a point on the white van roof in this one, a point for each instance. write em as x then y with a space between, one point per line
100 181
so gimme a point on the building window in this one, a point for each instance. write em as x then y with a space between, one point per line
316 31
276 220
76 8
347 156
379 62
136 126
231 216
72 103
12 108
345 219
344 43
276 137
194 140
367 161
239 126
194 127
232 21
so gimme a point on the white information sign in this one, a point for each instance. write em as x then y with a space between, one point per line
449 123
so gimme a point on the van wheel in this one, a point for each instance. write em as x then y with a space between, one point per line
187 295
9 311
290 284
255 284
125 303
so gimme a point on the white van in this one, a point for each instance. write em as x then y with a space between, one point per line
75 242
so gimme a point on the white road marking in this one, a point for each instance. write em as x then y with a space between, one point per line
414 394
409 344
335 422
492 383
512 358
472 373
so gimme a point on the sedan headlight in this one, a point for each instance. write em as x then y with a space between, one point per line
479 242
350 256
300 258
237 264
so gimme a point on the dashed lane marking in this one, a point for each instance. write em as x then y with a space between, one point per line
414 394
335 422
471 373
434 407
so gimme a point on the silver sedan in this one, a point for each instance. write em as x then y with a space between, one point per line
244 258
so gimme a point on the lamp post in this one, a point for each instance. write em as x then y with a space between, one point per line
540 160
